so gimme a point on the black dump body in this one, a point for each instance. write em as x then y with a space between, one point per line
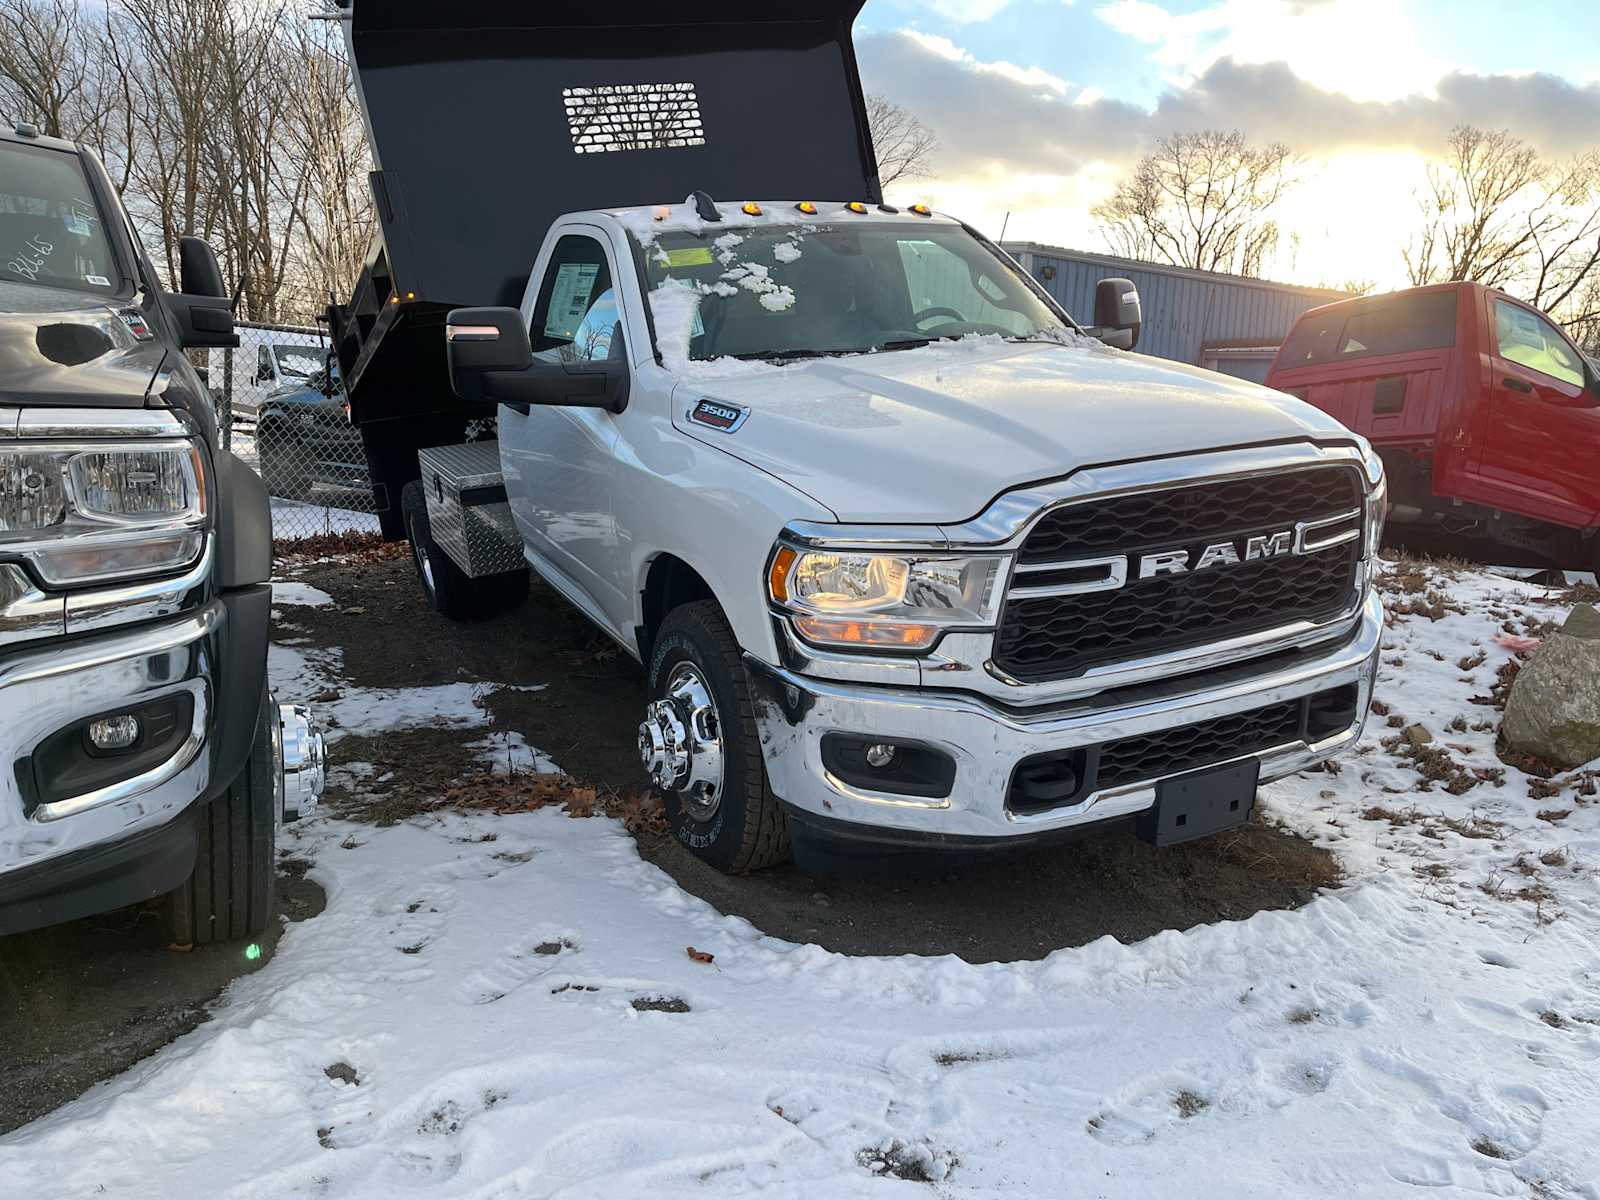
485 128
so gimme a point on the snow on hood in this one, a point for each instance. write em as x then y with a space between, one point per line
932 435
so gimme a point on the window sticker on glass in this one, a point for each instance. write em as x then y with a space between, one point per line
97 280
569 300
691 256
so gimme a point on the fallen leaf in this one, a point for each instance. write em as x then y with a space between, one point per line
699 956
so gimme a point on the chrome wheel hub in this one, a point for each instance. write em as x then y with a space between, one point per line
303 762
424 566
680 742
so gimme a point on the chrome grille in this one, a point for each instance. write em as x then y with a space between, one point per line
1076 601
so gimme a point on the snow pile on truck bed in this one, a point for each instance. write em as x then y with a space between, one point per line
523 1016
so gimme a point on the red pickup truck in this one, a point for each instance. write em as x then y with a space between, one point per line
1485 413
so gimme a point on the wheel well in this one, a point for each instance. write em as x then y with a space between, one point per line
670 583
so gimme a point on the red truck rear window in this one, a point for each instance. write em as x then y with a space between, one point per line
1384 325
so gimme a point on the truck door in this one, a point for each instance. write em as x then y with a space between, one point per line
1544 435
559 461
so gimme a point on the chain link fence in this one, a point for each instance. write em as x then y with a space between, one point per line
283 412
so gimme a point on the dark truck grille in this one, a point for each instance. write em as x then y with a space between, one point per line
1062 636
1065 777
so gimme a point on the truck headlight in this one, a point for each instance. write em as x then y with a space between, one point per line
95 511
885 601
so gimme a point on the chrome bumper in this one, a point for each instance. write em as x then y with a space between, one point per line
987 742
47 689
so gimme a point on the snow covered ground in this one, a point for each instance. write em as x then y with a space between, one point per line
507 1006
300 519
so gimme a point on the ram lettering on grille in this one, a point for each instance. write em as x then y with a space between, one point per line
1126 577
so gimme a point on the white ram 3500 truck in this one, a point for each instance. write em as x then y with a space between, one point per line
909 558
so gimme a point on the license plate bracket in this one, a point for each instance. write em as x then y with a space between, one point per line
1201 803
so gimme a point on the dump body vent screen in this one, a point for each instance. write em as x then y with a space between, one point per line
633 116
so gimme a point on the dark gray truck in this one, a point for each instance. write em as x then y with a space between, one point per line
142 755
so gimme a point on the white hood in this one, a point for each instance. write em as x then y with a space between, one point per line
931 436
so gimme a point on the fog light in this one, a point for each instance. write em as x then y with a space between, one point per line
880 754
110 734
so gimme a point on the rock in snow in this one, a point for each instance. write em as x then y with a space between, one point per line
1554 708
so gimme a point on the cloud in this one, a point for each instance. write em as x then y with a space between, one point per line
994 115
1270 102
1030 77
1335 46
967 11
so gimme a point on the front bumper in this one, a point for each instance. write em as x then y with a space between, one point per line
134 838
987 742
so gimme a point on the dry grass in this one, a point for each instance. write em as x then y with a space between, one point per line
1434 605
1190 1104
1504 677
347 547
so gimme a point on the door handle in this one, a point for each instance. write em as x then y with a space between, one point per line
1517 385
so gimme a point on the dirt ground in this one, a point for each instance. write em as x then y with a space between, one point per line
95 996
587 716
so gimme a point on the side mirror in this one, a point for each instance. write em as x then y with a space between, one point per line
201 310
491 361
1117 313
264 373
198 272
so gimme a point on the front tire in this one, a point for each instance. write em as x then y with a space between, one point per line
230 894
698 686
449 589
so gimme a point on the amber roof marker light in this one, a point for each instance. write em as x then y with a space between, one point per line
751 209
856 207
922 210
806 207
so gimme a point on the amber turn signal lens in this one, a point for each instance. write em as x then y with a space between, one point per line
778 577
885 634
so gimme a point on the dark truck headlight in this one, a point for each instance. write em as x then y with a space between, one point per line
88 512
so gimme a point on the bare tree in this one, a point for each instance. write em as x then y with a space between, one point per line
1201 200
1474 209
324 146
48 69
903 144
1495 212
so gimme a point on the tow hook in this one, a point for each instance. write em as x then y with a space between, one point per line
303 765
664 745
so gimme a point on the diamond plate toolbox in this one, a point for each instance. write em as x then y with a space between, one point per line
467 508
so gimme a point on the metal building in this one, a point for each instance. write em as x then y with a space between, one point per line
1223 322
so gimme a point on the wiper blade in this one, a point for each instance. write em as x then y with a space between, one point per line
784 355
918 342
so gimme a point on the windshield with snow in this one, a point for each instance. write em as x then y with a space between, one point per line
796 291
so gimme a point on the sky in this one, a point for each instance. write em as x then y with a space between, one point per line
1040 105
